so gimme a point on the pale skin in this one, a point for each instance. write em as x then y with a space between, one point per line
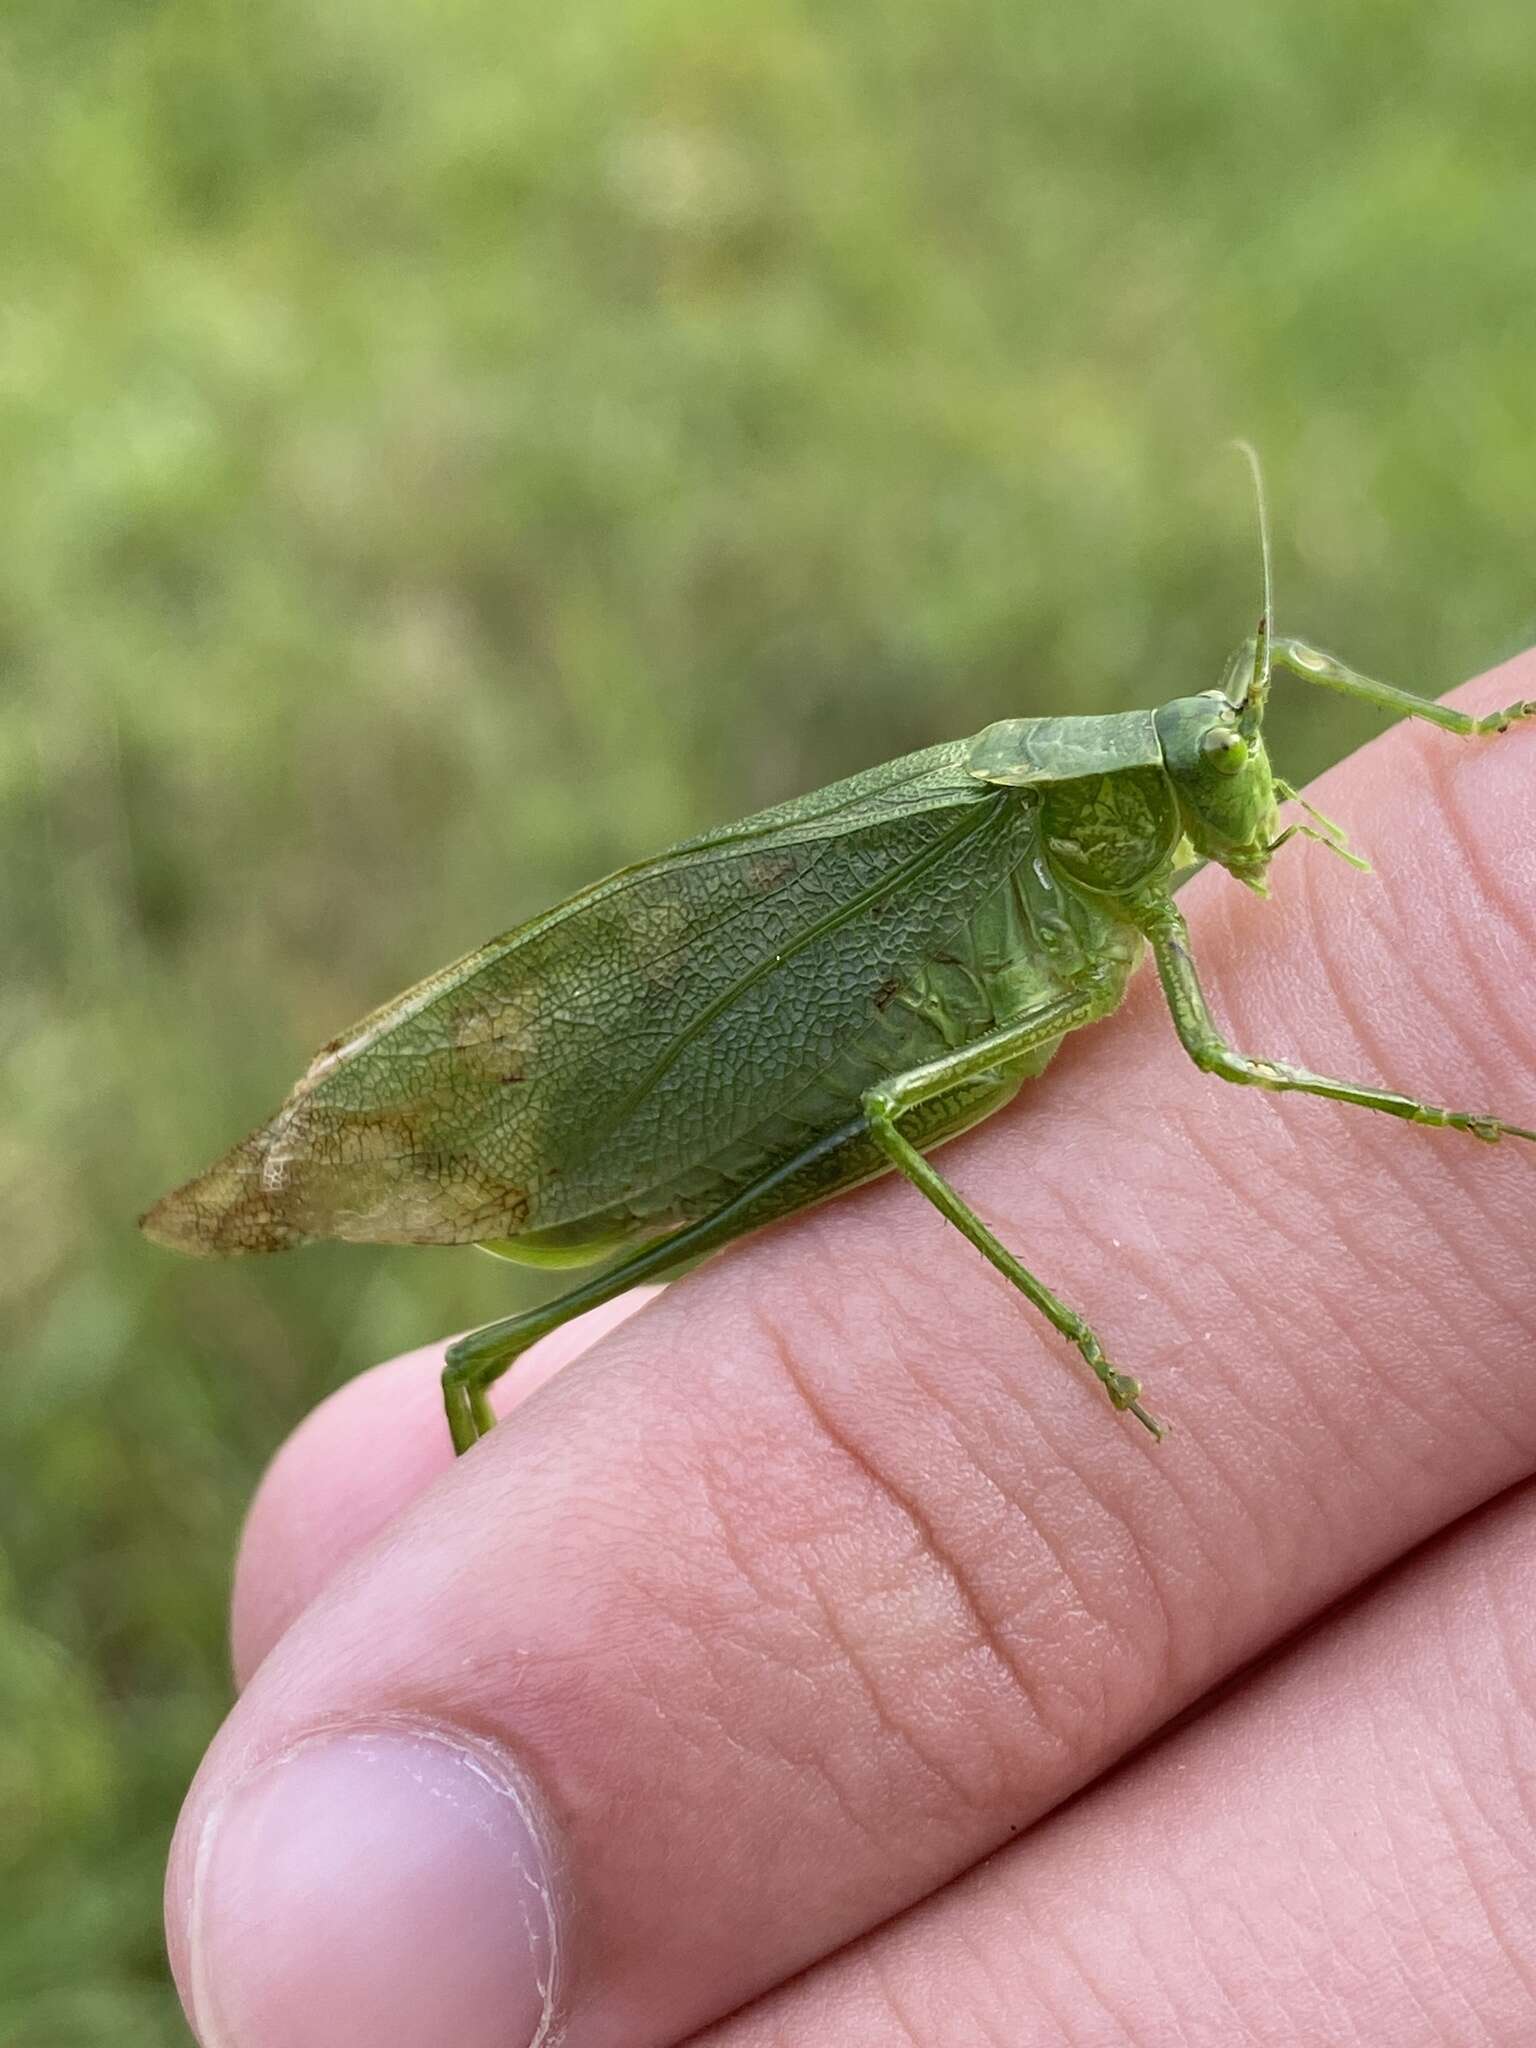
814 1589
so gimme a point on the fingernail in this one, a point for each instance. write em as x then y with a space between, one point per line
382 1885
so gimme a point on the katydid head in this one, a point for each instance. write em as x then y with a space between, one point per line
1213 745
1213 751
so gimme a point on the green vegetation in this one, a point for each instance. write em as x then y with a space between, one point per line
448 448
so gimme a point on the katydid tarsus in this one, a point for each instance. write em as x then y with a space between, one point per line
772 1013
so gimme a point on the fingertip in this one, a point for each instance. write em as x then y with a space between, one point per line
343 1475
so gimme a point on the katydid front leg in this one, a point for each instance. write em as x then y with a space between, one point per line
1314 666
1169 936
885 1104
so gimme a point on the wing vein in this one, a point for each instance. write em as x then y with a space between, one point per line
909 871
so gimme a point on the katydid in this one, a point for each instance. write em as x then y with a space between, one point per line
777 1011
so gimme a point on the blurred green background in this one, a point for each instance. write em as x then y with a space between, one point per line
450 447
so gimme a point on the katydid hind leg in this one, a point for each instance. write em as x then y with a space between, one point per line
474 1362
477 1360
1169 935
885 1106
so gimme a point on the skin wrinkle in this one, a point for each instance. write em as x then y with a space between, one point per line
1402 1264
1140 1260
1161 1674
948 1781
1431 1425
1006 1625
1479 1197
1268 1954
1322 928
714 1637
1430 1999
1342 2005
1453 1019
1244 1195
1080 1227
1044 1993
1509 1618
1084 1975
1000 1999
723 1727
899 1361
1497 1416
1408 1183
1426 1909
1409 1189
857 1824
1083 1608
1369 1252
1389 1738
1247 1193
1469 1785
1169 1875
1208 1138
1286 1961
1280 1930
929 1545
885 1990
1341 1306
1208 1565
1209 1542
989 1631
681 1617
1206 1958
1473 1190
1016 1621
1450 812
716 1493
1085 1225
1217 1161
1143 1936
1453 1990
1474 1888
1362 1055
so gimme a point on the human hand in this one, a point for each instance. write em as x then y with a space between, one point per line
809 1596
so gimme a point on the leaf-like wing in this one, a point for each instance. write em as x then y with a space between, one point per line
618 1043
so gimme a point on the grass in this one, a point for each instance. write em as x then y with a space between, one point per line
446 450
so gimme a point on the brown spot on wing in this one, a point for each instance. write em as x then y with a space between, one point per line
766 872
222 1210
312 1174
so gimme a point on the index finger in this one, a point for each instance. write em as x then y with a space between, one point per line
826 1575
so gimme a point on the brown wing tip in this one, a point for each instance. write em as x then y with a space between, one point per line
224 1210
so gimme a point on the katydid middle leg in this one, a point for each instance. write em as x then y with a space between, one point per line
884 1106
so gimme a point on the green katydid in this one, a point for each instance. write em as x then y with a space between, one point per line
774 1012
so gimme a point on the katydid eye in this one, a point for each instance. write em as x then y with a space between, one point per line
1225 750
